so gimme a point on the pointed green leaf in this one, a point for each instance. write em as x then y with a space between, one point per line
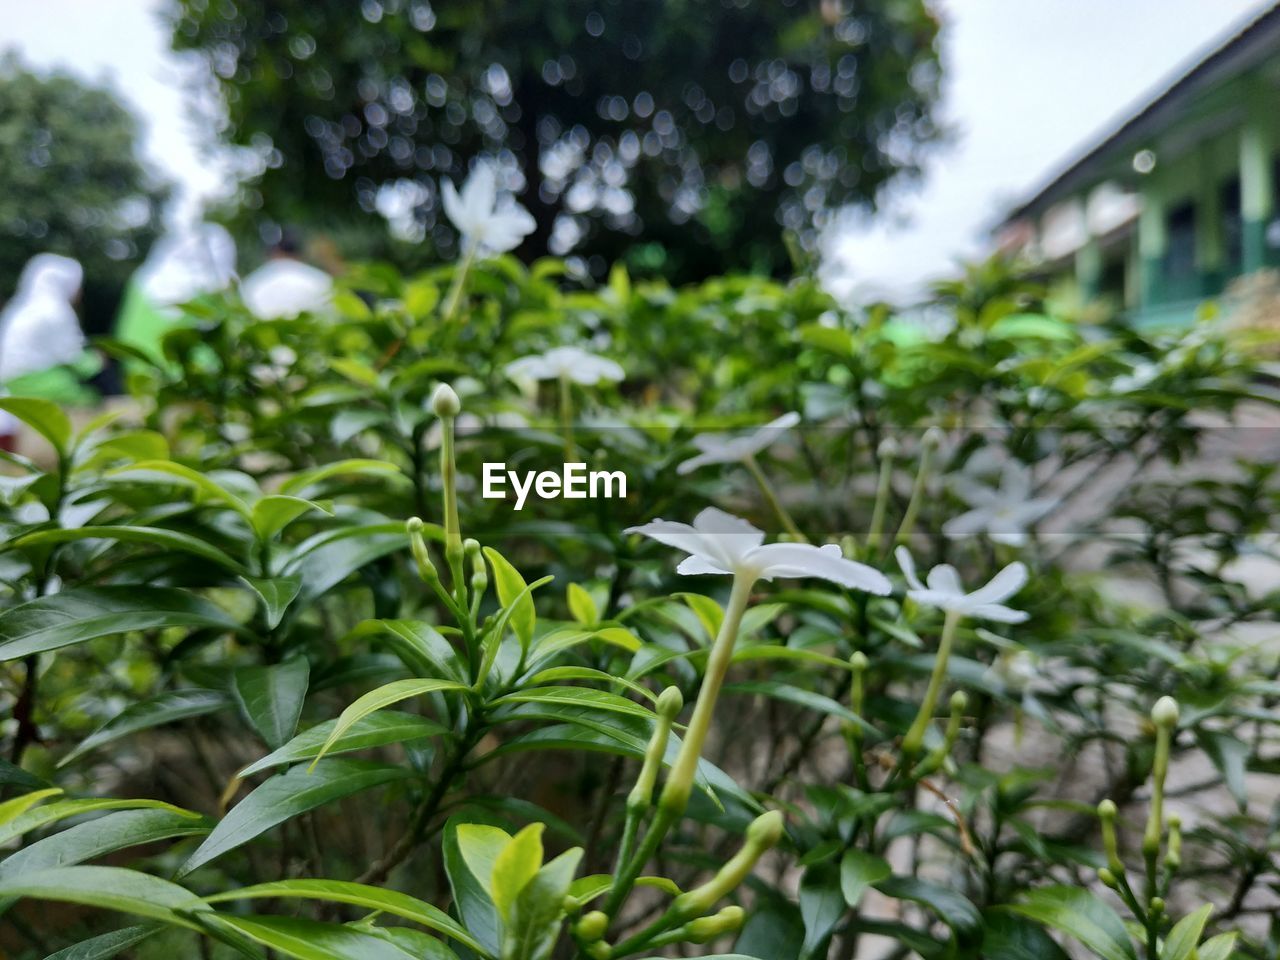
42 416
168 707
517 863
272 514
298 484
170 473
49 813
581 606
858 871
360 895
271 697
86 613
513 593
538 912
1076 912
287 795
12 809
375 730
376 700
306 939
107 945
1182 940
155 536
109 888
475 907
276 593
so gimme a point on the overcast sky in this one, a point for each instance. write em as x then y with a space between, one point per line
1028 86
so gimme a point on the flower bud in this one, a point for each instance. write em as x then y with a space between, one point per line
1107 878
592 926
670 703
858 661
1107 814
1165 713
764 833
959 703
705 929
1157 905
418 546
445 403
888 449
1173 855
471 548
933 437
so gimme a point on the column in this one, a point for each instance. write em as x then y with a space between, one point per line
1153 239
1211 252
1257 192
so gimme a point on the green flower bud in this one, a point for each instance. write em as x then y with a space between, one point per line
592 926
1107 814
1165 713
599 951
445 403
763 834
959 703
1173 855
705 929
859 662
1108 879
766 830
418 546
888 449
1157 905
471 547
670 703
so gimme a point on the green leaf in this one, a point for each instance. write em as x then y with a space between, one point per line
581 606
276 593
1220 947
306 939
107 945
517 863
271 697
164 708
1231 756
578 697
1081 915
534 924
376 700
272 514
480 845
709 613
325 565
94 838
821 907
475 907
513 593
63 809
953 909
858 871
109 888
168 472
285 796
154 536
298 484
557 641
589 673
419 646
1007 936
42 416
12 809
375 730
804 698
86 613
12 775
360 895
1182 940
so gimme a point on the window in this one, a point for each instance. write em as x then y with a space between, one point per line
1232 227
1180 256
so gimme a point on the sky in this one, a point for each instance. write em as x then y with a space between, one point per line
1027 87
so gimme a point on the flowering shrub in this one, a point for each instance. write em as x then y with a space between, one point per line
282 682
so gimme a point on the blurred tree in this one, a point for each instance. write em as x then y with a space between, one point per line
71 183
684 136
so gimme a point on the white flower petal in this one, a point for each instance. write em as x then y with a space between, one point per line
908 565
693 463
944 579
996 612
794 560
692 566
1002 586
967 524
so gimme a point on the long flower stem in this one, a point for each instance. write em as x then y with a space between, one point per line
771 495
675 794
881 507
917 492
459 281
914 740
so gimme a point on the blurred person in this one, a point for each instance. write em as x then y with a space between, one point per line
284 286
180 268
40 337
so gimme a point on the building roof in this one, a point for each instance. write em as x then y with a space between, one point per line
1246 47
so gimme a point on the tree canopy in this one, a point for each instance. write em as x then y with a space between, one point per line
71 182
684 137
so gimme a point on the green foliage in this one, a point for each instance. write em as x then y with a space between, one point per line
367 737
776 111
71 182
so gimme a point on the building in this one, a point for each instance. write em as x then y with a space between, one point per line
1178 200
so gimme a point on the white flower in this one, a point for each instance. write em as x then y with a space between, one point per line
1015 670
946 592
283 289
719 542
572 363
490 223
718 448
1004 513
